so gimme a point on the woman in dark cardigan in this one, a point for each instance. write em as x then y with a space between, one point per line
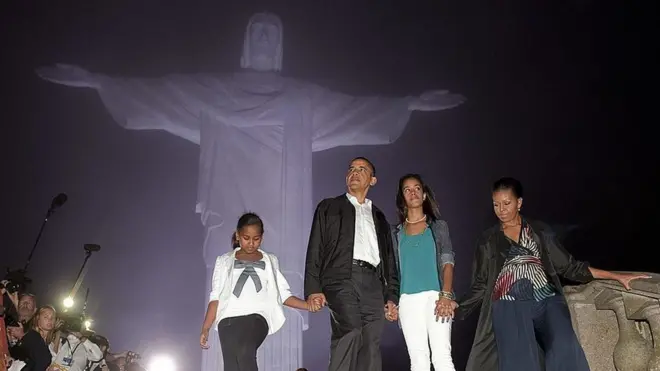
515 283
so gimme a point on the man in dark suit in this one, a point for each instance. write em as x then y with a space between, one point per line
350 267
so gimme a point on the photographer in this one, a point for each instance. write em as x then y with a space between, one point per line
27 307
110 361
8 314
76 350
32 345
104 345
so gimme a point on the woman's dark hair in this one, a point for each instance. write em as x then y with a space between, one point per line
430 205
509 184
244 221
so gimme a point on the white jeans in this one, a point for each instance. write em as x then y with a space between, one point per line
420 329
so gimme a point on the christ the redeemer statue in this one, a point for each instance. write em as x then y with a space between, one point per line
257 131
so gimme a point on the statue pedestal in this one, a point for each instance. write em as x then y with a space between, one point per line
619 329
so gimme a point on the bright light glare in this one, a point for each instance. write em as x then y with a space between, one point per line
162 363
68 302
88 324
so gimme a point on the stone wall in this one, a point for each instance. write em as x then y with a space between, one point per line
618 329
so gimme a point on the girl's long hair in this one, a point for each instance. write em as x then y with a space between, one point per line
430 205
51 335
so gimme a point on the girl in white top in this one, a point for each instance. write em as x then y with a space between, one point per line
247 294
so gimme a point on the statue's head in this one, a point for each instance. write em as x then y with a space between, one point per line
262 48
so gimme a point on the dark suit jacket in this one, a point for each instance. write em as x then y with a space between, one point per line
489 259
330 248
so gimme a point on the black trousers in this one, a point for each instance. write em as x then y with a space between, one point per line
240 337
357 319
519 325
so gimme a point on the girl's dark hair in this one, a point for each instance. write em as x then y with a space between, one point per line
244 221
509 184
430 205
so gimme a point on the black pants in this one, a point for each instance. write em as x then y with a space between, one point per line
357 319
240 337
518 325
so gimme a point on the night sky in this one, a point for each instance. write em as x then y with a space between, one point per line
561 94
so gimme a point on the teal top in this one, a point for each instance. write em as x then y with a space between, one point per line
419 269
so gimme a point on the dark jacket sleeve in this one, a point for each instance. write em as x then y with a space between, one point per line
392 274
39 357
314 247
563 262
474 297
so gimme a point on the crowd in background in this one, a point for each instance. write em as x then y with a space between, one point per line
38 338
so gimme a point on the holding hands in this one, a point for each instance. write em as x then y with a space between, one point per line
315 302
391 311
444 307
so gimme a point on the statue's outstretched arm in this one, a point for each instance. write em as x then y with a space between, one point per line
435 100
137 103
69 75
344 120
174 103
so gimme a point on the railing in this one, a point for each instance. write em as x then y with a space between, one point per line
619 329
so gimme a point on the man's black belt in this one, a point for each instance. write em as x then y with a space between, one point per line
363 264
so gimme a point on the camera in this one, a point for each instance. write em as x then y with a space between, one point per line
72 322
15 281
10 286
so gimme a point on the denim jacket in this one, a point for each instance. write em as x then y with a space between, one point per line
443 248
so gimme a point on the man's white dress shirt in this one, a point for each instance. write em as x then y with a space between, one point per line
365 247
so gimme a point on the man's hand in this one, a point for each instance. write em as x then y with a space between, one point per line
444 308
391 311
314 304
316 301
16 332
204 339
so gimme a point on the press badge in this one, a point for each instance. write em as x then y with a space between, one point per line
68 361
